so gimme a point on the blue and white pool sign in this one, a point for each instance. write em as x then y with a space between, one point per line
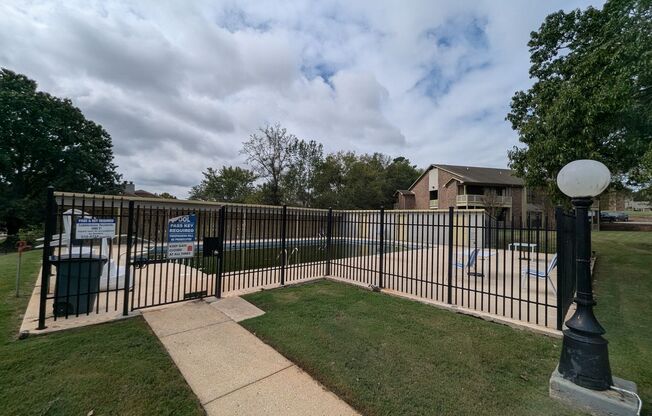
87 228
181 236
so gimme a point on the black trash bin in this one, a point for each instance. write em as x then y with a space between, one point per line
78 281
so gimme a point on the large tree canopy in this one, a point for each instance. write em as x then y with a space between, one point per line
345 180
45 140
288 170
285 161
592 94
229 184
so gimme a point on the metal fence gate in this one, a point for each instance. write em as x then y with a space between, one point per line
118 254
165 270
106 253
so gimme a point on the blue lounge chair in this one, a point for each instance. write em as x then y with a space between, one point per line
470 262
543 274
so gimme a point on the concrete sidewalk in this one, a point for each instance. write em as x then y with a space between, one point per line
231 371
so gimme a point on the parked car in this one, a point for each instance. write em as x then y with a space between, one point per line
612 216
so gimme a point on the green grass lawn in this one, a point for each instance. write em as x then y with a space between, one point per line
117 368
623 287
389 356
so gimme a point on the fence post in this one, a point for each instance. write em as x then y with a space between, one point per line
561 262
381 266
130 240
45 269
283 248
329 237
221 230
450 255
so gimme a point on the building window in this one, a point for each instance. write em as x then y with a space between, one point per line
434 195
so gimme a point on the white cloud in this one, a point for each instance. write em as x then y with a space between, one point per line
180 86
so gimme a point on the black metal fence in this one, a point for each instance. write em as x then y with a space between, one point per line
463 258
567 262
114 254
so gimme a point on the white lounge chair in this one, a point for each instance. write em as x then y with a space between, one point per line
543 274
470 263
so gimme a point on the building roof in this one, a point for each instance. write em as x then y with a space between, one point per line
487 176
144 194
403 192
477 175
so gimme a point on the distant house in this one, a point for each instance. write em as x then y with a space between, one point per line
632 205
502 194
129 189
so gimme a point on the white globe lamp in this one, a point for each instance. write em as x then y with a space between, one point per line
583 178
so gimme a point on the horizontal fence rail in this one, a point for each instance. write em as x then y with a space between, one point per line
460 257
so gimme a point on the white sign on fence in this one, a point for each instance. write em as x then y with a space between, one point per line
181 237
92 228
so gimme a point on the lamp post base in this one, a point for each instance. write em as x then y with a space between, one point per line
606 402
585 360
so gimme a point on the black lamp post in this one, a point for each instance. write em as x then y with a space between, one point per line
584 355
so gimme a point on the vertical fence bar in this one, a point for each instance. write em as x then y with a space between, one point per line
133 292
561 266
221 228
46 270
381 266
450 255
130 239
283 238
329 237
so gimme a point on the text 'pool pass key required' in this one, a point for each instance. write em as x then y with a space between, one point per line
181 236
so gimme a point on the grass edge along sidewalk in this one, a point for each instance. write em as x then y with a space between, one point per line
112 368
385 355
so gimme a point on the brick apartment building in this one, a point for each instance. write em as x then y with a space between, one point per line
498 191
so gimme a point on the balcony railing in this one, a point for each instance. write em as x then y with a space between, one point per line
483 200
434 204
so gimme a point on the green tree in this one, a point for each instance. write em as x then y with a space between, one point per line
296 185
167 195
286 162
643 194
345 180
399 174
229 184
45 140
364 183
328 180
591 97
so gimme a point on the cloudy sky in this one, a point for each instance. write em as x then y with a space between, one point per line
179 85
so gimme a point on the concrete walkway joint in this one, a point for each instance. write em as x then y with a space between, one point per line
230 370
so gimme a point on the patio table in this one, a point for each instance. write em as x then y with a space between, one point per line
531 246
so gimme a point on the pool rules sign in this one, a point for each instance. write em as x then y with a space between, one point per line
181 236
